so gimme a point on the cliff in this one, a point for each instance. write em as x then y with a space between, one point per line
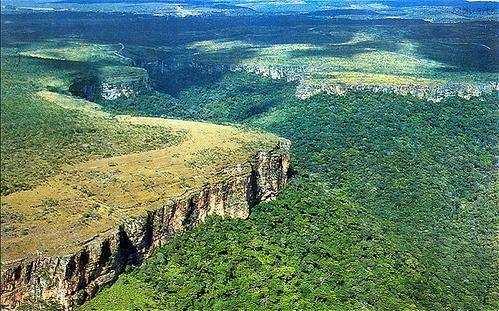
122 82
111 83
424 89
71 263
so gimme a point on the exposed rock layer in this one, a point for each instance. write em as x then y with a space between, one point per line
75 278
301 76
113 91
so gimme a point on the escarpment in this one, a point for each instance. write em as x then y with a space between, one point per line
108 214
111 83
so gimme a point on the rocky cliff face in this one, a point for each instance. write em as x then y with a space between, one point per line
432 92
75 278
111 83
116 90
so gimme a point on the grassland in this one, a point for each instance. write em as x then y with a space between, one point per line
104 61
92 197
74 51
39 133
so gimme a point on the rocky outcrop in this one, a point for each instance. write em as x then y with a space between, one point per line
111 83
434 92
113 91
75 278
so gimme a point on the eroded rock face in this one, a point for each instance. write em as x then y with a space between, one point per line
113 91
75 278
433 92
112 87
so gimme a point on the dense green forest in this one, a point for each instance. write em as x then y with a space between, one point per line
393 207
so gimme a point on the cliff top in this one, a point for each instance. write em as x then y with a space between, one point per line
71 172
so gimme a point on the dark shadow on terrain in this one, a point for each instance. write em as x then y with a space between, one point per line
466 46
177 69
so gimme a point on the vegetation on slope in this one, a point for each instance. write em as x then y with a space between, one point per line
236 97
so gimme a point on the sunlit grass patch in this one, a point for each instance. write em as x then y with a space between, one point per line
359 78
358 37
72 103
373 61
214 46
75 51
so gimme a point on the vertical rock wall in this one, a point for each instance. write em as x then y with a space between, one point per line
75 278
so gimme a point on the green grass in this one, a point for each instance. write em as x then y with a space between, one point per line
39 136
74 51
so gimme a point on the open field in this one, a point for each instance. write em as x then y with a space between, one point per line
74 51
92 197
39 135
